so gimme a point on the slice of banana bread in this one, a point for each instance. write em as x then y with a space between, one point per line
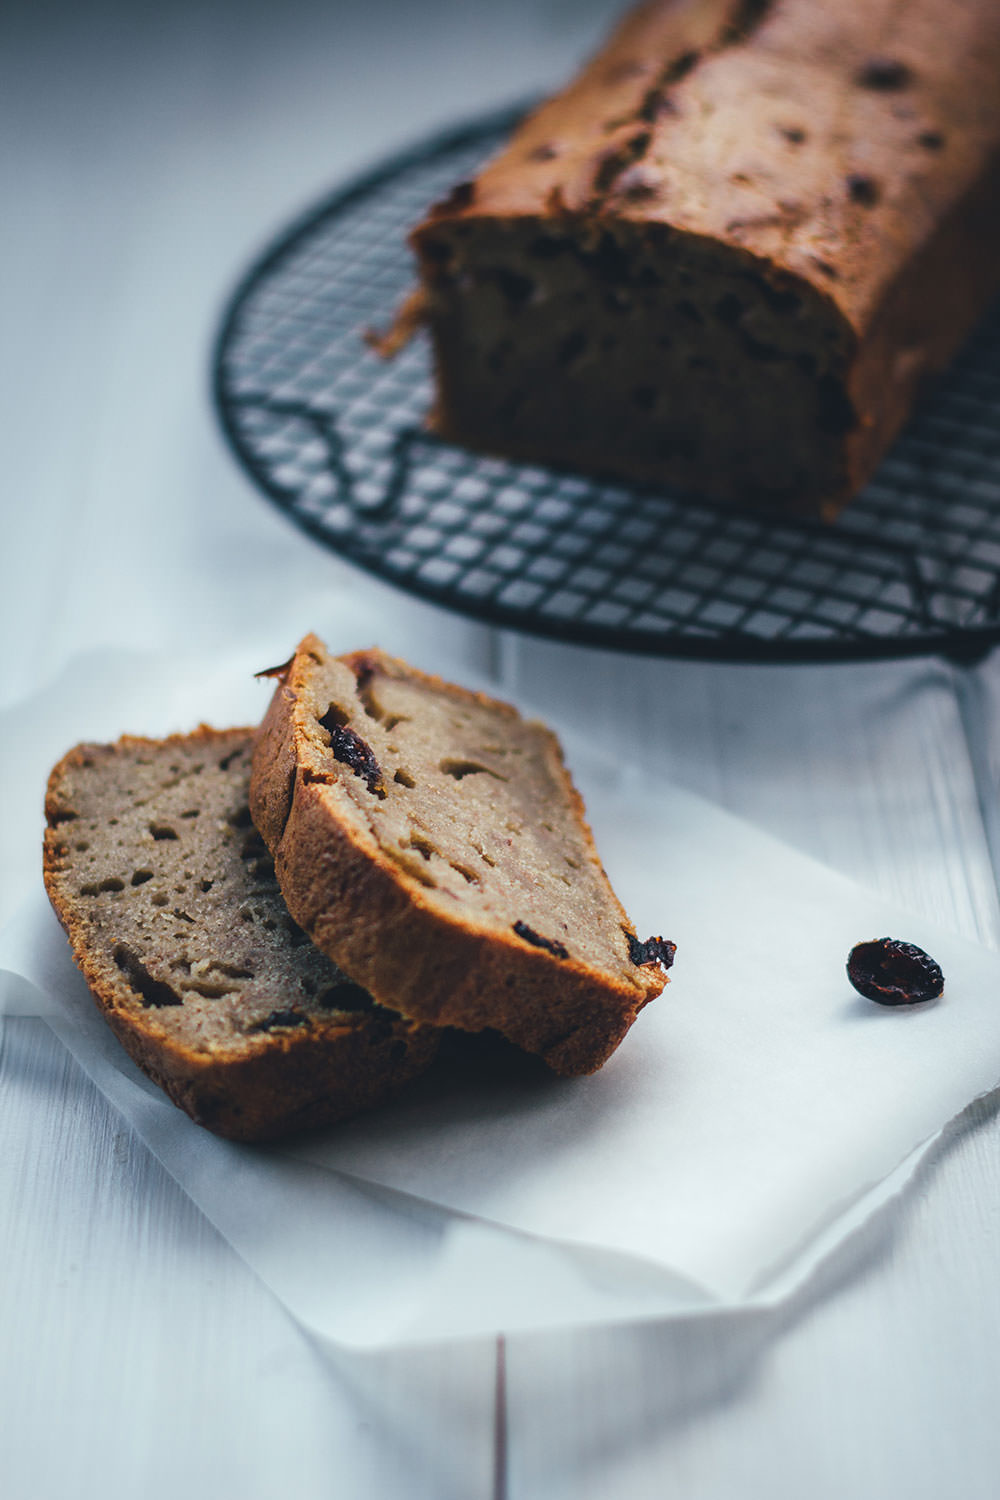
431 841
169 899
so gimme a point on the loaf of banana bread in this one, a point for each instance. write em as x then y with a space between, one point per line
725 256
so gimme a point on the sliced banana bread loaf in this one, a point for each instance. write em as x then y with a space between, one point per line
430 840
726 255
169 899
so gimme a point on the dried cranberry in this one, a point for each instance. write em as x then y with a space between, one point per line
655 950
352 751
894 973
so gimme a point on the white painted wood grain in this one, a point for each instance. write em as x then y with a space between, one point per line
155 147
140 1355
877 1381
867 767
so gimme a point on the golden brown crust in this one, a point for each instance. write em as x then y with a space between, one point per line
248 1085
844 156
439 963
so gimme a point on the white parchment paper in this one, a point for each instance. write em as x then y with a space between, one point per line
756 1112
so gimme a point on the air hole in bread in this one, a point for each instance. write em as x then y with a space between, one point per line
192 812
208 989
110 883
422 844
242 818
403 778
469 876
159 899
863 189
154 992
227 760
139 877
312 777
517 289
462 768
416 868
64 816
161 831
346 996
279 1018
183 916
82 846
205 885
229 971
335 717
366 693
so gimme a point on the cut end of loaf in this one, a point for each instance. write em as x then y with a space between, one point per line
626 349
727 253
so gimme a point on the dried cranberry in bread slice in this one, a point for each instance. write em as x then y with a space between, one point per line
169 899
431 842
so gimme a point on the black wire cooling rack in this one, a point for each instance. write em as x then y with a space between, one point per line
334 435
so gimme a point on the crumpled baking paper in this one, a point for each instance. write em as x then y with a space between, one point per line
756 1113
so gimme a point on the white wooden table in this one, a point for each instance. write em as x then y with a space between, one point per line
150 150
